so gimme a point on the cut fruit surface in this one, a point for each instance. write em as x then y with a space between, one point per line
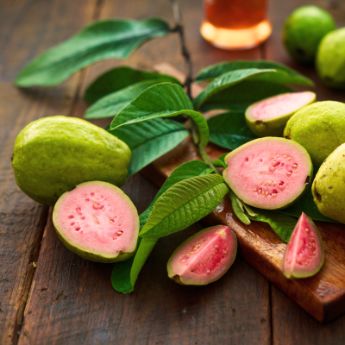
304 254
268 173
203 258
269 116
97 221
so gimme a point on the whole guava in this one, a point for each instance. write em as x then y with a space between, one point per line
329 186
319 127
54 154
97 221
303 31
204 257
268 173
330 61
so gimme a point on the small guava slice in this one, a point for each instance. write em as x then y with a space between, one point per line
268 173
97 221
269 116
204 257
304 255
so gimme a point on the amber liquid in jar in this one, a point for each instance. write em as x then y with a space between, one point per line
235 24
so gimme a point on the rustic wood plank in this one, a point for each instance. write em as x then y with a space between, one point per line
71 300
22 220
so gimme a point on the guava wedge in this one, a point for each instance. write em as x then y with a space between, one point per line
55 153
268 173
269 116
97 221
304 255
204 257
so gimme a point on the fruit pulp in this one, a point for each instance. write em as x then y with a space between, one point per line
235 24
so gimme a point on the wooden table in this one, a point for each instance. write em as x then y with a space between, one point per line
50 296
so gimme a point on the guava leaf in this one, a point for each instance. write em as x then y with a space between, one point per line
119 78
125 274
160 101
240 96
238 209
232 78
183 204
229 130
289 75
111 104
105 39
150 140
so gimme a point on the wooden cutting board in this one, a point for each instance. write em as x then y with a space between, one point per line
322 296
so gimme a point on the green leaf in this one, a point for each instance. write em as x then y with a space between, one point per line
183 204
242 95
111 104
160 101
114 38
307 205
238 209
119 78
289 75
229 79
282 225
229 130
125 274
150 140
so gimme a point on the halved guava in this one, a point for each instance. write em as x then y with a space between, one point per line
268 173
204 257
269 116
97 221
304 255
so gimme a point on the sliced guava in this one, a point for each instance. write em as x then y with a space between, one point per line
204 257
268 173
97 221
304 255
269 116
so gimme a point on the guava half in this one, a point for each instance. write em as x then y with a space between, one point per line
204 257
304 255
97 221
268 173
269 116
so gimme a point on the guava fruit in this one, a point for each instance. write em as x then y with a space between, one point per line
303 31
330 60
329 186
319 127
97 221
268 173
304 255
54 154
204 257
269 116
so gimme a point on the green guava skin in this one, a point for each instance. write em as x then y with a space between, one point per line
330 61
272 127
303 31
83 252
329 186
319 127
54 154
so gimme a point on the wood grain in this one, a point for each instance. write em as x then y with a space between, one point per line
21 219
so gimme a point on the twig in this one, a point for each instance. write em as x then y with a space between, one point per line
179 29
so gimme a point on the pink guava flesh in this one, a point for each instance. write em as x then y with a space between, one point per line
277 106
205 257
99 219
268 173
304 254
